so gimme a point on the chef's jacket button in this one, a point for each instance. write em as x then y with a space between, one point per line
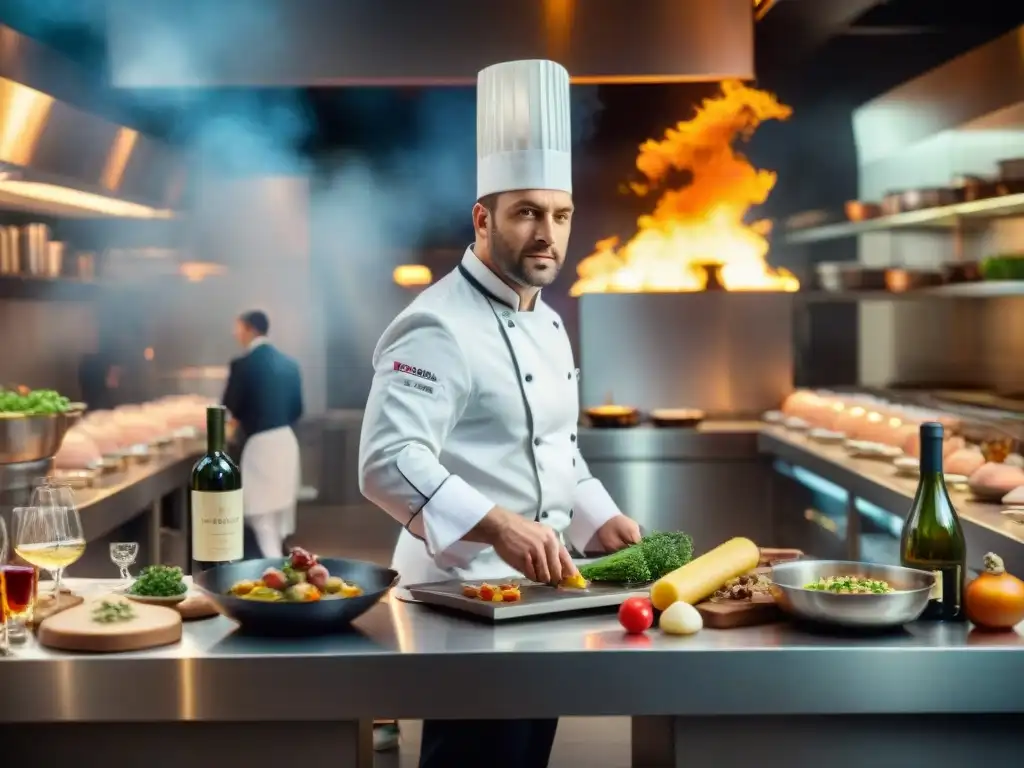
573 438
511 324
570 511
574 462
536 441
570 375
543 515
529 377
555 323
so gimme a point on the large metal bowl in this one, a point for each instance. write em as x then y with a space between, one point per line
904 605
296 619
32 438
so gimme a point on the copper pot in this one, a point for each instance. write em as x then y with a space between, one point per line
613 416
676 417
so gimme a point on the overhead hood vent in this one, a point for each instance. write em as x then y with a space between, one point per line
411 42
57 159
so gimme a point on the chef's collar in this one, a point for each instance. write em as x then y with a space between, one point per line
259 341
488 283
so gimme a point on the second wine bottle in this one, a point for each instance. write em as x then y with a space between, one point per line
933 539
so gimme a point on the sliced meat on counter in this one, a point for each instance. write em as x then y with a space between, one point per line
1001 478
78 451
965 461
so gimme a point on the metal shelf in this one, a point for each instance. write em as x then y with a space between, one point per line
930 218
983 289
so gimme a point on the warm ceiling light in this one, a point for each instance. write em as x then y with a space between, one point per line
412 275
82 201
197 271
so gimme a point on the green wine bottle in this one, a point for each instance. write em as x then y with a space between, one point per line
218 533
933 539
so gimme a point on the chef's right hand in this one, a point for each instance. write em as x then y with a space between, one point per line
531 548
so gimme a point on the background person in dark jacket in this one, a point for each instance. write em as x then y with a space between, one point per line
264 397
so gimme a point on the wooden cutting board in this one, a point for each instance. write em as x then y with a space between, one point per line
46 607
747 613
75 629
739 613
196 607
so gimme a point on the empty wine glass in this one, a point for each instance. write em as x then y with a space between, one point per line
50 538
123 554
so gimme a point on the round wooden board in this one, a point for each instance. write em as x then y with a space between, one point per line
75 630
196 607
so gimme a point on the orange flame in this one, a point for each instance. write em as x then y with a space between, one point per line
702 222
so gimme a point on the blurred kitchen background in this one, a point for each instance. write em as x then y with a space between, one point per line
165 166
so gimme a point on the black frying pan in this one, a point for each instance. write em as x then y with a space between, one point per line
296 619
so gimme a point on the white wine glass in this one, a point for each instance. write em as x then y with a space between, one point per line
5 638
50 538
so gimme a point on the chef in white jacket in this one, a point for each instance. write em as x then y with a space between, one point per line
469 434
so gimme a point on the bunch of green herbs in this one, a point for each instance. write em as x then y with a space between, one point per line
159 581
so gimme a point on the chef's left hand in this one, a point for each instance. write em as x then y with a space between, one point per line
618 533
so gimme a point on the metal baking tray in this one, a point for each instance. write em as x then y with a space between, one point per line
536 600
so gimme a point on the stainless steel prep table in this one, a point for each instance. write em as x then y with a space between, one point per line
909 698
122 497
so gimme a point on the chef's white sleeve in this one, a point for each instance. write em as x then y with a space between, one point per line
421 384
592 506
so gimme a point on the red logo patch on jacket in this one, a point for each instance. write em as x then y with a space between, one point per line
414 371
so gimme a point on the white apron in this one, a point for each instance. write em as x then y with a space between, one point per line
270 486
474 404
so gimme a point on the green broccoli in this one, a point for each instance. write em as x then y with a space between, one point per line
666 551
655 555
626 565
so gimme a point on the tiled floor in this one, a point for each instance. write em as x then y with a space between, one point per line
368 534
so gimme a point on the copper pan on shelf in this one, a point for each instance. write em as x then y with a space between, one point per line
676 417
612 416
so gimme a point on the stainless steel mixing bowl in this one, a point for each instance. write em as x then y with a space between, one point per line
854 610
31 438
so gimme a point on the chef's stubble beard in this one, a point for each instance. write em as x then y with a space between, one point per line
512 263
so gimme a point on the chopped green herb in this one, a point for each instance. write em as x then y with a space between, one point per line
109 612
850 585
35 402
159 581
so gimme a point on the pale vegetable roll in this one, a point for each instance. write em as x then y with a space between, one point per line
700 578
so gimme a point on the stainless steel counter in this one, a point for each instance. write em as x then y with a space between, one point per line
404 655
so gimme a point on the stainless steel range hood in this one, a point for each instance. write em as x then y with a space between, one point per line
57 159
154 43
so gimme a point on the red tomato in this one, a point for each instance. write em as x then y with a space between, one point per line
636 615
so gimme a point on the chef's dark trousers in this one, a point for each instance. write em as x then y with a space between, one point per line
487 743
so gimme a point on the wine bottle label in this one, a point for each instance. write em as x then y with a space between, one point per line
218 533
936 593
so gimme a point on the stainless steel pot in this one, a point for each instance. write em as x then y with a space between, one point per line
35 240
53 266
10 251
907 603
32 438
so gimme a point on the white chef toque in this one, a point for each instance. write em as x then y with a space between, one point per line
523 134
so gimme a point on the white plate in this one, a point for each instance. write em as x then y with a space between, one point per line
907 466
797 425
150 600
773 417
826 436
1015 515
862 449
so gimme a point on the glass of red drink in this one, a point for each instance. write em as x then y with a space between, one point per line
18 593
